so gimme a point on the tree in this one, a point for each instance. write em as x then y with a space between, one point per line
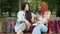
34 5
9 6
58 8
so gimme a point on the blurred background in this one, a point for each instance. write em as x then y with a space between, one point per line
9 8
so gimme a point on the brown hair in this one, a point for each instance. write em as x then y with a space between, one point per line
44 7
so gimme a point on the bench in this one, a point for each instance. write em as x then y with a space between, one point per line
50 26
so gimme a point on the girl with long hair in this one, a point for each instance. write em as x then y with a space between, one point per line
42 16
24 18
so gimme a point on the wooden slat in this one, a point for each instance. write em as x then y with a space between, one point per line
29 33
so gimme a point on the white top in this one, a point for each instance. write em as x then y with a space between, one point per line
44 19
21 15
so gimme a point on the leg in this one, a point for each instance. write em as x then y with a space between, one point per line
36 30
22 28
19 32
39 28
44 28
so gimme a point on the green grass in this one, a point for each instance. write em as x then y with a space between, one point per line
1 20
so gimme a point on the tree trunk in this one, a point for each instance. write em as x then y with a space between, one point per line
9 13
1 13
19 5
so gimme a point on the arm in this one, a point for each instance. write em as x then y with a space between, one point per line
20 16
33 17
22 19
27 23
46 18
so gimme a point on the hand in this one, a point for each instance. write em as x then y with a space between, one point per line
27 23
38 22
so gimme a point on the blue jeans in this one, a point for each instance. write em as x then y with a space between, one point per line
40 28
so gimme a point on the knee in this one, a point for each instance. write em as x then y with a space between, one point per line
45 29
19 31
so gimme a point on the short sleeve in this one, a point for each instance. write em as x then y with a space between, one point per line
33 14
19 16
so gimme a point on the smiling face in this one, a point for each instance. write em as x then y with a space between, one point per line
42 7
26 7
39 7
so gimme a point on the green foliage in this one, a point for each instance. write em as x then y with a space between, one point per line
51 4
58 5
9 5
12 5
34 5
